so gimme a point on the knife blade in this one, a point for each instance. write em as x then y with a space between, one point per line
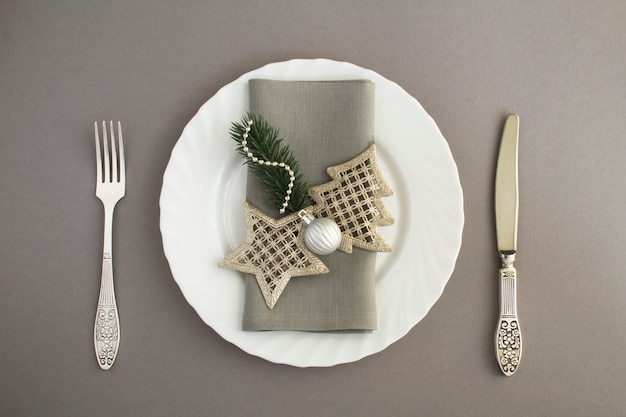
508 339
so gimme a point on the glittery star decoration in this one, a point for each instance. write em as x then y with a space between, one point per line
352 200
274 251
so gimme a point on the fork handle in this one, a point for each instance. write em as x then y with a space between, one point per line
106 332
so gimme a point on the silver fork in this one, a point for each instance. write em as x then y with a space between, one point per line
110 188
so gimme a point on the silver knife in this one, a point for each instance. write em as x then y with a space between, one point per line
508 335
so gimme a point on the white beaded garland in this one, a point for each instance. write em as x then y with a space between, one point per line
287 168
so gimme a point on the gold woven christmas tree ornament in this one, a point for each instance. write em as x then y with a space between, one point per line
352 200
274 251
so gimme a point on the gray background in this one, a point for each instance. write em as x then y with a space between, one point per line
152 64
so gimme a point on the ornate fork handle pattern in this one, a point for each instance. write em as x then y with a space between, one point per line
107 325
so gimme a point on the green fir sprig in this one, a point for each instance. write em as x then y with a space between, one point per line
263 143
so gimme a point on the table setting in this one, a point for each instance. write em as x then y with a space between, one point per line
414 219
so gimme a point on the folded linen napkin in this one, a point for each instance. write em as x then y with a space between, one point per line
325 123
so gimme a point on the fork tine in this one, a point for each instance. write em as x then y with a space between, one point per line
98 155
122 173
105 139
114 170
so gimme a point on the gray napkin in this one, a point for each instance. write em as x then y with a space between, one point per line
325 123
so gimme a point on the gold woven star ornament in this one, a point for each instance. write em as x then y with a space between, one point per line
274 251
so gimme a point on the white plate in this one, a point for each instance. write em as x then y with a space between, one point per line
202 218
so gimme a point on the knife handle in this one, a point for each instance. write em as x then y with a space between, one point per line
508 334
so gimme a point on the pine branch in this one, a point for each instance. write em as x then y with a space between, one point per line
264 143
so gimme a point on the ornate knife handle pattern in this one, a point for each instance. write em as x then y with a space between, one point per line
106 332
508 334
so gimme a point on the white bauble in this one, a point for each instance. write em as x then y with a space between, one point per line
322 236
